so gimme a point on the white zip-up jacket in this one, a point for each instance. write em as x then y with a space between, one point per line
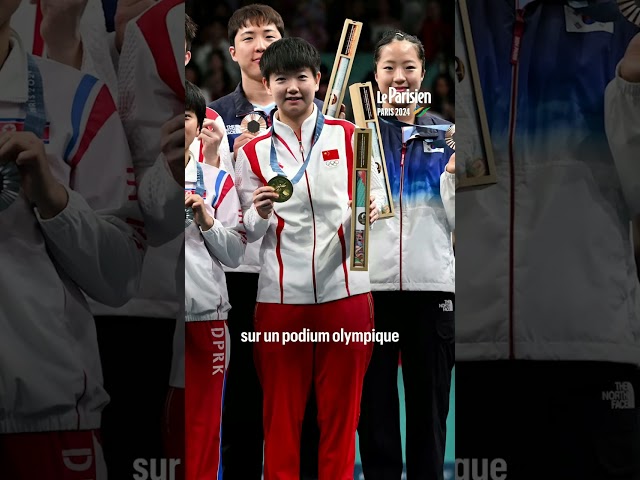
151 86
413 250
50 375
305 253
622 110
205 296
545 261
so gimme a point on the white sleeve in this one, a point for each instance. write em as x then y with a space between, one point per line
248 182
225 239
622 123
98 239
143 111
448 195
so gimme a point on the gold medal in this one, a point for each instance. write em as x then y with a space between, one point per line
449 137
253 123
283 187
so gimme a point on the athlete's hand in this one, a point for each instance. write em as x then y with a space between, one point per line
172 146
241 140
211 135
263 199
630 66
37 181
126 11
60 30
200 215
374 213
451 166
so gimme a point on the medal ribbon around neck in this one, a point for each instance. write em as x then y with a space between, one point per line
35 122
273 158
199 190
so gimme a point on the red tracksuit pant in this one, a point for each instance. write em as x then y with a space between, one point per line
68 455
337 371
206 360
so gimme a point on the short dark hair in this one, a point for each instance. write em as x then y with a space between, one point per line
289 55
194 102
256 14
190 30
400 36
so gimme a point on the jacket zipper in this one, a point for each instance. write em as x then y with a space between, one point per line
518 31
403 154
313 217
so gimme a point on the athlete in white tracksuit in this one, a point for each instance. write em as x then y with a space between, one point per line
51 393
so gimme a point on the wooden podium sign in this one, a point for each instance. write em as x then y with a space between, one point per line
360 193
342 68
365 115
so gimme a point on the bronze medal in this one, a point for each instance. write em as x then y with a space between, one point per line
253 123
283 187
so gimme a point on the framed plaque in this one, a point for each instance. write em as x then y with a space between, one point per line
475 165
365 116
342 68
360 192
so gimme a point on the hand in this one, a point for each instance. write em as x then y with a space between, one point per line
241 140
374 213
263 199
451 166
37 181
630 66
60 30
211 135
172 145
200 215
126 11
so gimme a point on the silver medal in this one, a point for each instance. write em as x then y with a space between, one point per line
9 184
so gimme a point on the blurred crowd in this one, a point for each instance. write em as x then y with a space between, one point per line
320 22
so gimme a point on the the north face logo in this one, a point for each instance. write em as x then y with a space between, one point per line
446 306
622 398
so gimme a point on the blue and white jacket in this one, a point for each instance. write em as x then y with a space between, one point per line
413 250
547 267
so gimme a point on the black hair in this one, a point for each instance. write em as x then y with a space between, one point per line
255 14
194 102
190 30
400 36
289 55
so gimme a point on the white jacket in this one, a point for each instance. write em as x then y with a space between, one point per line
305 253
622 110
545 261
51 377
413 250
151 86
205 296
96 57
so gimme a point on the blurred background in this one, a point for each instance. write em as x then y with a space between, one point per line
320 22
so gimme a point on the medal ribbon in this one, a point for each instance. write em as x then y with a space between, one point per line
200 188
35 120
273 158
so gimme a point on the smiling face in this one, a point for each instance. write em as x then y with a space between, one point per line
191 129
293 93
399 66
250 43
